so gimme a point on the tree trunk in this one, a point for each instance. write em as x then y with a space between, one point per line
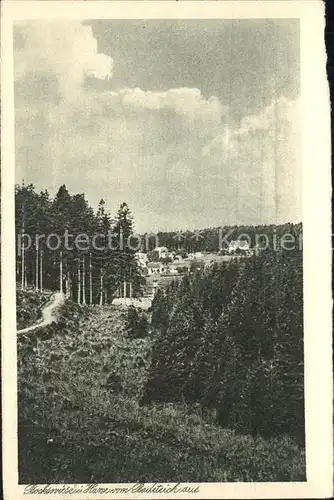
83 280
25 276
90 280
79 281
130 284
22 263
36 274
67 285
101 286
41 270
61 272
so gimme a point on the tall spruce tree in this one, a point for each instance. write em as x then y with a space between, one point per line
123 274
101 253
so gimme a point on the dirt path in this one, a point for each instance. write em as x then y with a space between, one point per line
48 313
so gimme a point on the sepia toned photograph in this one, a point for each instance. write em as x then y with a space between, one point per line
176 350
159 253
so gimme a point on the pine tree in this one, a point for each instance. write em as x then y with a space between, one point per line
122 271
100 256
159 311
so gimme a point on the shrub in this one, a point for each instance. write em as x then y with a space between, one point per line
137 323
29 306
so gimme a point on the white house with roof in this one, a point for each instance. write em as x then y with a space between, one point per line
156 268
163 252
179 266
141 258
235 245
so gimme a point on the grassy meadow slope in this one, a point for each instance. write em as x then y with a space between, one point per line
80 417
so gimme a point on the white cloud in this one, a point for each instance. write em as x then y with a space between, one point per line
277 112
169 154
220 146
186 102
260 158
179 172
65 50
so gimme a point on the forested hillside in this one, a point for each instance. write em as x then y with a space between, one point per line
232 339
62 244
213 239
205 386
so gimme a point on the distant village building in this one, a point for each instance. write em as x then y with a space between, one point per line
173 270
238 245
156 268
178 266
141 258
162 252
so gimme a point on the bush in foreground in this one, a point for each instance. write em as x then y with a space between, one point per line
29 305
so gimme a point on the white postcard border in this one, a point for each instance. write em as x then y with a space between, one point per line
316 162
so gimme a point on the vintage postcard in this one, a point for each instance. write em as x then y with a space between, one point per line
166 250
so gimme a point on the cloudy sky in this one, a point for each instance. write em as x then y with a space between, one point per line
193 123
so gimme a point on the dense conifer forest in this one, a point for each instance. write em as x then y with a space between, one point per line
231 339
88 269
